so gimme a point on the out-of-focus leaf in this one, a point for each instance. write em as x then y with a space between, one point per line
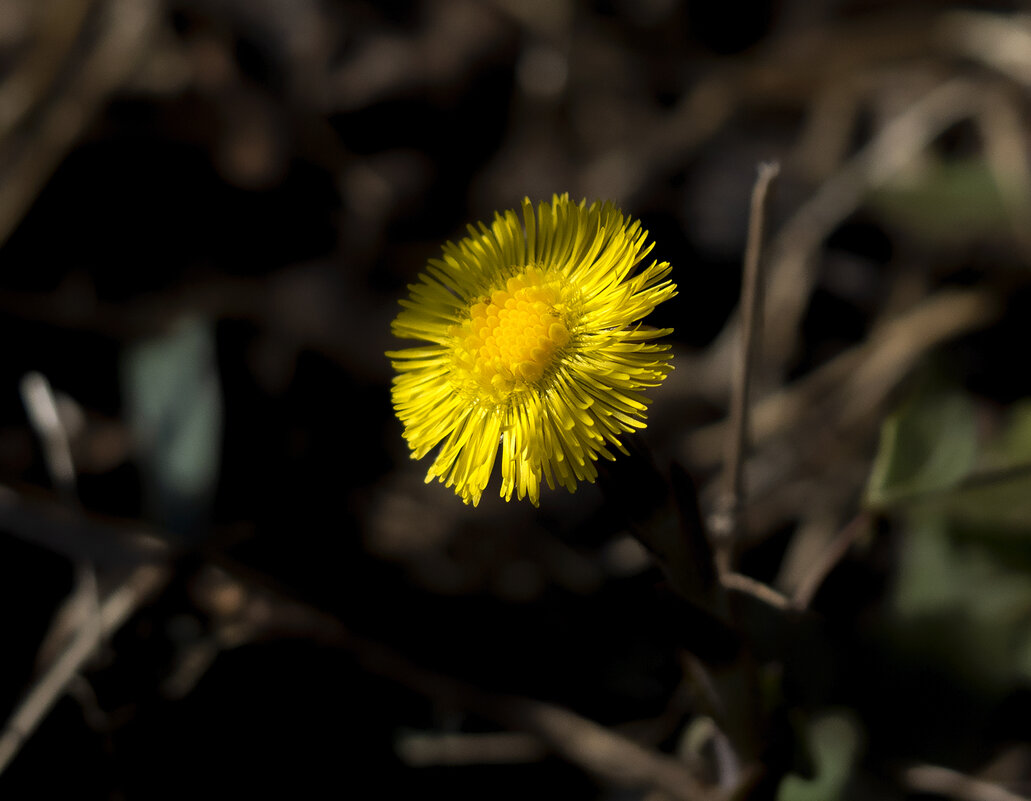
996 495
833 740
946 201
174 406
1002 506
927 445
1012 445
960 599
926 577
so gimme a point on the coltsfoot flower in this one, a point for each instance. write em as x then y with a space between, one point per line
533 346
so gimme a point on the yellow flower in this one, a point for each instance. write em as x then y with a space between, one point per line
533 344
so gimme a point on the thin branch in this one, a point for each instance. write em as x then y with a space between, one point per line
725 522
81 610
750 586
606 754
104 541
41 408
791 253
857 380
953 784
423 749
125 29
1001 41
831 555
1003 131
114 611
594 748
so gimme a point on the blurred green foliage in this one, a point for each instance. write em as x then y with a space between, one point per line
943 200
961 488
834 741
174 400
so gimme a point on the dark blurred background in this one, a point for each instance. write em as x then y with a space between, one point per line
208 211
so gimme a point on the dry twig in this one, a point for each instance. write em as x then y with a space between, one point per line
953 784
792 251
116 608
81 610
750 586
831 555
597 750
725 521
125 29
856 381
421 749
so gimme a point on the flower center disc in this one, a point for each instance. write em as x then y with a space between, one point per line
512 336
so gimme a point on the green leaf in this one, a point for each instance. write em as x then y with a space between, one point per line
997 495
946 201
1012 445
927 445
833 740
174 407
961 600
1001 507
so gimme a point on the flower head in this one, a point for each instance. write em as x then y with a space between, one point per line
532 346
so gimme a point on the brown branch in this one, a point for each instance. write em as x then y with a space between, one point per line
606 754
80 611
105 542
792 251
750 586
58 25
125 29
726 520
831 555
41 407
114 611
858 379
422 749
953 784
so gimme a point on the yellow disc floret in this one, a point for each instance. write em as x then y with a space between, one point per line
512 337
